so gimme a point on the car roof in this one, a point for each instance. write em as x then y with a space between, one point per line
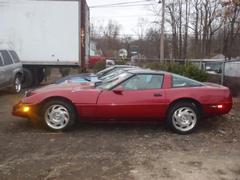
6 50
123 66
130 68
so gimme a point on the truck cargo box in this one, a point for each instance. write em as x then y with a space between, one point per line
46 32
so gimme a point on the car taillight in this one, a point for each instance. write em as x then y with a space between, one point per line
219 106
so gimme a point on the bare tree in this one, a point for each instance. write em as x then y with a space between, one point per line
141 30
231 25
173 22
194 29
180 28
108 38
187 17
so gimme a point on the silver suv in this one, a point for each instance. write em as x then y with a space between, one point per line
11 71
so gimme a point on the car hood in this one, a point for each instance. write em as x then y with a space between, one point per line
62 87
76 93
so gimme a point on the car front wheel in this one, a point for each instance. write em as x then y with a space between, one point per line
58 115
183 117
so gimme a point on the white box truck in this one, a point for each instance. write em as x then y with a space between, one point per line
45 33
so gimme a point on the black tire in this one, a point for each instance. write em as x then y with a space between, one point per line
67 109
28 78
32 77
36 80
41 75
193 115
17 85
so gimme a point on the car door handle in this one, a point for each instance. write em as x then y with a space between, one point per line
157 95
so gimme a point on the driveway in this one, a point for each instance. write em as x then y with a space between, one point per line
100 151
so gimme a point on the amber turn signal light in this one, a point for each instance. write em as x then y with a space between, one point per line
26 109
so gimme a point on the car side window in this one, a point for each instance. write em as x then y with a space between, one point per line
144 82
6 58
180 81
14 56
1 60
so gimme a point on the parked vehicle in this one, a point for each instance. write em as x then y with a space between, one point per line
11 71
80 79
112 74
92 80
93 60
45 34
109 63
113 68
134 96
95 78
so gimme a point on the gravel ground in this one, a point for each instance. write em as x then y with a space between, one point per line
100 151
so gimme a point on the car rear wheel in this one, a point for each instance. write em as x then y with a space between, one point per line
17 85
183 117
58 115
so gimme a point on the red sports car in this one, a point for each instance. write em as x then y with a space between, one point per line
133 96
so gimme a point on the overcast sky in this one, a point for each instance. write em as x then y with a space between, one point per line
126 16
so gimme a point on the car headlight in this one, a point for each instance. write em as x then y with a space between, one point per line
28 93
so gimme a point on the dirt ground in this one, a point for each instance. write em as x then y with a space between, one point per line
102 152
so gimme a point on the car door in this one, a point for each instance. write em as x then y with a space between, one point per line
8 67
2 72
139 98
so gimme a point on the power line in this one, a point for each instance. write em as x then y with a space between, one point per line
135 5
130 16
120 35
122 3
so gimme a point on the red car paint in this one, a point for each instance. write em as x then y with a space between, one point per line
131 105
94 59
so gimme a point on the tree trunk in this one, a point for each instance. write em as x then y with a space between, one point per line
180 29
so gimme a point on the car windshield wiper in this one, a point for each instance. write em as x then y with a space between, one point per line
87 79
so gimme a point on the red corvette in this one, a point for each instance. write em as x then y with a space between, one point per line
133 96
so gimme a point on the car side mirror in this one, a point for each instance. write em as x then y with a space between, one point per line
118 90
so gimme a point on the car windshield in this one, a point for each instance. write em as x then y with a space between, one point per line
105 71
91 78
114 81
112 75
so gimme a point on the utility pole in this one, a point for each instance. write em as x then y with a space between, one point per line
162 31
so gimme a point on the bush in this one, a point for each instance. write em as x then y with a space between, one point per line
121 62
188 70
100 65
194 72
